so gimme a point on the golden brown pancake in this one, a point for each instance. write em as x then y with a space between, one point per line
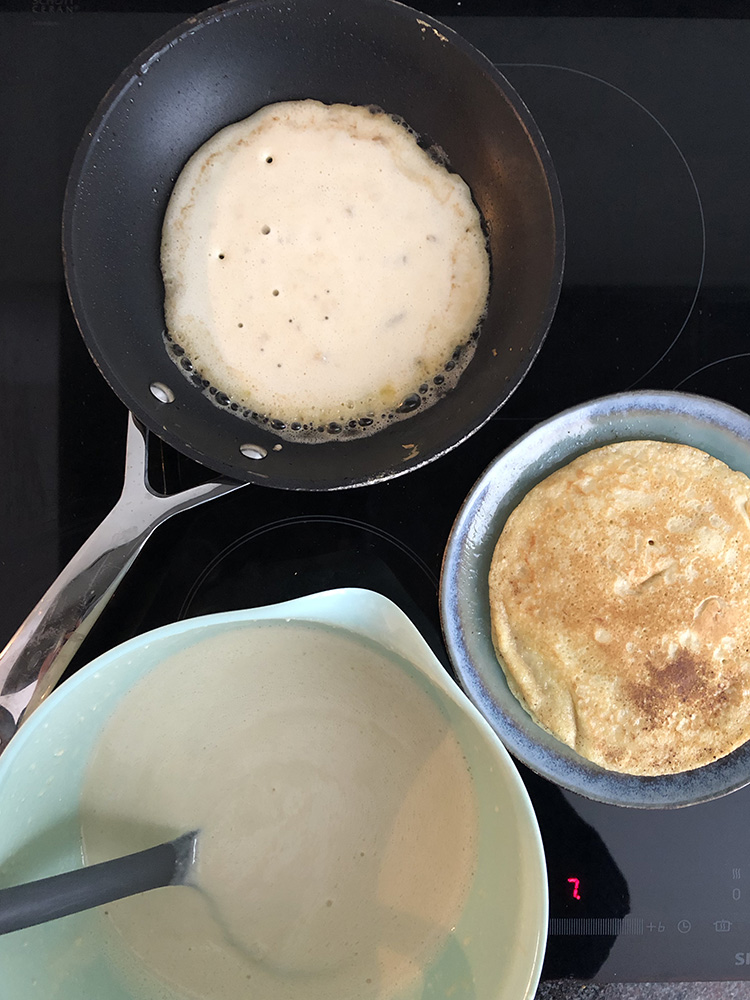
620 606
320 267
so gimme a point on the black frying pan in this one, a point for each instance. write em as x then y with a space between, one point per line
213 70
222 66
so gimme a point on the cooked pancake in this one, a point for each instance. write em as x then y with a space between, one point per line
621 608
320 267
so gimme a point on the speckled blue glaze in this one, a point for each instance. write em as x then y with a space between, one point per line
715 427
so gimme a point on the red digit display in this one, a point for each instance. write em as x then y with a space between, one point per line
575 882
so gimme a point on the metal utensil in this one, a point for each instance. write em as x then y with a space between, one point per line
36 657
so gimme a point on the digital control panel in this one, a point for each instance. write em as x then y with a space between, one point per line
646 895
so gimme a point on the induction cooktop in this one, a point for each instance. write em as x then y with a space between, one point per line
646 120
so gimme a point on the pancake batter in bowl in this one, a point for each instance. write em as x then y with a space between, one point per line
320 268
336 809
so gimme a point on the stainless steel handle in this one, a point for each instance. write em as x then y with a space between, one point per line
36 657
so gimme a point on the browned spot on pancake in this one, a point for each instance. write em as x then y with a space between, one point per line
614 754
681 682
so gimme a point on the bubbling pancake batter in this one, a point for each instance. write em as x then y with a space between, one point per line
320 267
337 814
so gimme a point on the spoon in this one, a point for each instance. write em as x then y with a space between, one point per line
80 889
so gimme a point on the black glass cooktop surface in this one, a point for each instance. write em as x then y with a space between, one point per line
646 120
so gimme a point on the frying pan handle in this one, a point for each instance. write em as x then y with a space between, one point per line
36 657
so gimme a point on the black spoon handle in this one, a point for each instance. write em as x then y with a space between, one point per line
57 896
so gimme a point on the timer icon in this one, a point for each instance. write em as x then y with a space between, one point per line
684 926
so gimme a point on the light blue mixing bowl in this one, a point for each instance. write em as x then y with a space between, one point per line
497 948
